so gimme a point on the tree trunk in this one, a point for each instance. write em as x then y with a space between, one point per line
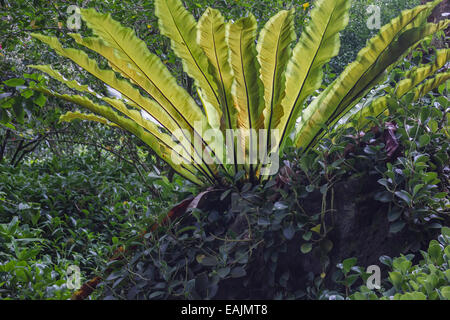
437 15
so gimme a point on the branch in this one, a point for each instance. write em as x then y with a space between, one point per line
3 147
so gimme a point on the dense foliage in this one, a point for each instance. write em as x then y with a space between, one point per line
71 211
277 241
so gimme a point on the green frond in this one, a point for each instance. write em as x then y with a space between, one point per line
179 25
70 116
247 87
244 83
383 50
274 52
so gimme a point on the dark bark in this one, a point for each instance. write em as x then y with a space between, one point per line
3 147
360 229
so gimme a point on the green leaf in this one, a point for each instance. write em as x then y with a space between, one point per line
155 294
424 140
223 272
447 251
396 226
404 195
40 101
307 236
435 252
394 214
402 264
22 274
4 116
238 272
386 260
429 177
207 260
347 264
445 291
446 231
289 232
19 112
413 296
396 278
306 247
14 82
326 245
417 188
433 125
384 182
350 280
27 93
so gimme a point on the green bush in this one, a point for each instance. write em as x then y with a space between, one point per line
237 247
71 211
26 273
427 280
416 183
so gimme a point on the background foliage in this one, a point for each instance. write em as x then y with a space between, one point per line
255 246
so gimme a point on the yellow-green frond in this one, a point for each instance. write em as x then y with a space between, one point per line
48 69
109 78
129 55
360 76
211 37
179 25
431 84
318 43
247 88
70 116
417 75
274 52
153 141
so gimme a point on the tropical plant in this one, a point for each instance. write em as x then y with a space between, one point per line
243 83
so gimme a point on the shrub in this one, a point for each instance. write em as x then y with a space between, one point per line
241 85
427 280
